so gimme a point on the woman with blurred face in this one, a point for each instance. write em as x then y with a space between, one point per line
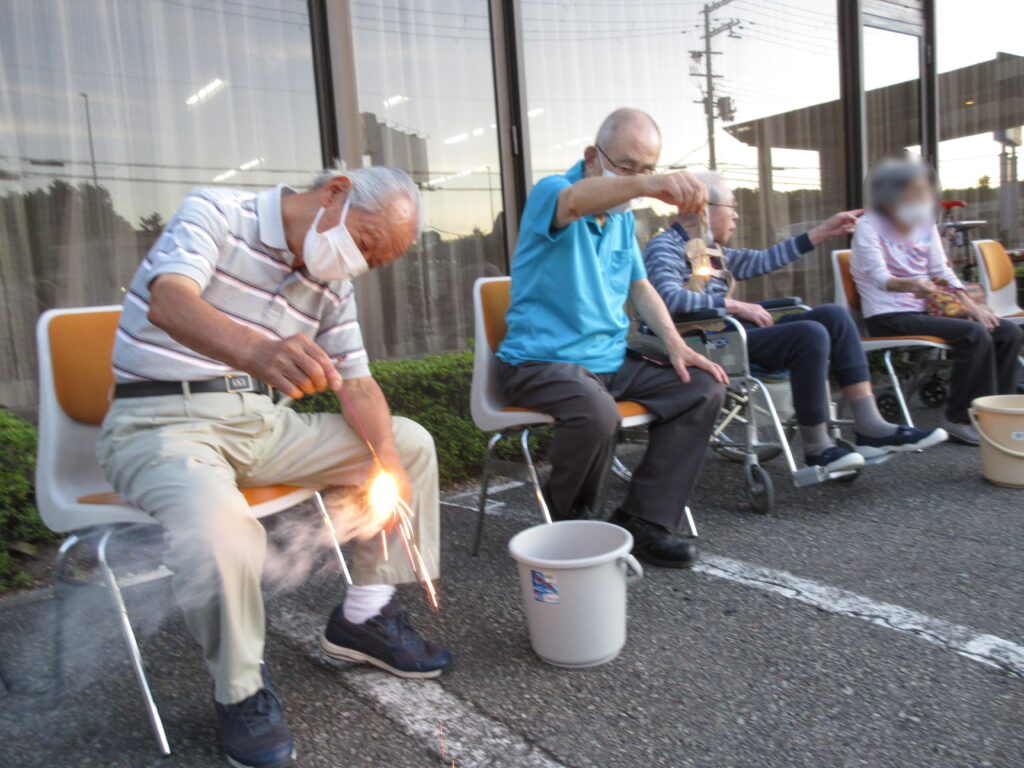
898 263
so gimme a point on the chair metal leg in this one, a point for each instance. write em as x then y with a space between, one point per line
482 512
897 389
619 470
59 568
133 647
525 442
689 520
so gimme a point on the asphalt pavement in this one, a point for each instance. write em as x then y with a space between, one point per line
876 623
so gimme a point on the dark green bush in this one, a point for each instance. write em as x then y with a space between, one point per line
19 520
434 391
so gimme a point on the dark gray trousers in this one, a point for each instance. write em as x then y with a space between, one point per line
587 422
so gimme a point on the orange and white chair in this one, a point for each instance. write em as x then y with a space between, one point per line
75 382
847 296
491 298
998 280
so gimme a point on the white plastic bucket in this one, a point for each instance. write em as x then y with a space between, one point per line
999 420
574 575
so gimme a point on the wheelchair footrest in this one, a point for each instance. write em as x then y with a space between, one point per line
806 476
876 460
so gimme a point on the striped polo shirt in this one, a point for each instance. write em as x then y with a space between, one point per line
232 243
669 270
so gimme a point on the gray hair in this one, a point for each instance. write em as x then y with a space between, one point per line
890 178
717 186
374 187
618 119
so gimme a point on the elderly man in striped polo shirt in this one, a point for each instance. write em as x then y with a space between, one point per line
809 344
243 294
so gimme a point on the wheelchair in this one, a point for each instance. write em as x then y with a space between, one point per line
757 422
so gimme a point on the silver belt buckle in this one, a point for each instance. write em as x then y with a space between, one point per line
239 382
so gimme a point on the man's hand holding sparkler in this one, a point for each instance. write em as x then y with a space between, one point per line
366 411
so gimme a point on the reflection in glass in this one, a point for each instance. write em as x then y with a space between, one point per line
777 123
110 111
892 73
981 110
426 95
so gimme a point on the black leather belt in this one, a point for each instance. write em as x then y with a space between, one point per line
232 383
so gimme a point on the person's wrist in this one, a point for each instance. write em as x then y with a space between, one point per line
817 234
676 347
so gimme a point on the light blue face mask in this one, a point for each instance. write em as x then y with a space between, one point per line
621 207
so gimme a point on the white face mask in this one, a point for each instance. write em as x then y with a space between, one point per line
915 214
333 255
621 207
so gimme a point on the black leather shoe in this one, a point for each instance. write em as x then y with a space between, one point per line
656 545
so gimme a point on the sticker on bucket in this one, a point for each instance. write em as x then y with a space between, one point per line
545 587
1017 435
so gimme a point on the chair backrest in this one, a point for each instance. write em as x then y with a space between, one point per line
997 276
75 348
846 294
491 299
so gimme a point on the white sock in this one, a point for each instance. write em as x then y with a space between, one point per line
364 601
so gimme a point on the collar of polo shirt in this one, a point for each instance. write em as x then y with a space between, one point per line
268 208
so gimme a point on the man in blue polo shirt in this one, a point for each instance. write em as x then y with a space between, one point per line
576 264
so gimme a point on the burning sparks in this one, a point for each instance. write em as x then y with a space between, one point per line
388 509
383 496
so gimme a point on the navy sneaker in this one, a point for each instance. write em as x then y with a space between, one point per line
254 732
836 459
904 439
387 641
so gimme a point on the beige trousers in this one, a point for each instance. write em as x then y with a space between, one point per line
183 460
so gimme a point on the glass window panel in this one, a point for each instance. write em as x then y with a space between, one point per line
110 111
981 90
426 93
778 126
892 72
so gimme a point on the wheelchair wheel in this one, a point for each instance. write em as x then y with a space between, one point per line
933 392
760 491
889 407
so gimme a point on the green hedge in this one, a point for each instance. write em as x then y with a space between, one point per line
20 525
434 391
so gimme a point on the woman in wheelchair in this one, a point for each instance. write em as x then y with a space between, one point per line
908 289
807 344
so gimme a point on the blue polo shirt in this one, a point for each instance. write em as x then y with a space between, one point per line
570 285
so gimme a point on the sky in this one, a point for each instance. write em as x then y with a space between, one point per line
190 92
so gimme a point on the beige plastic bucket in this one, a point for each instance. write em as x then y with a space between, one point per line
999 420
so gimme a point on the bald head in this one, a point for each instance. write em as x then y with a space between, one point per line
628 141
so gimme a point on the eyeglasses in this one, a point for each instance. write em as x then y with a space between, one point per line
630 171
724 205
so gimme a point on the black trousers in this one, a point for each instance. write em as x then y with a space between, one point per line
984 362
587 422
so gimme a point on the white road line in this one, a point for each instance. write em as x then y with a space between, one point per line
492 508
418 707
474 490
986 649
471 739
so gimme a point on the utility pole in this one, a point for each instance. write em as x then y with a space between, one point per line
92 149
709 75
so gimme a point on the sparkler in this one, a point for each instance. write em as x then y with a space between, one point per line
388 506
